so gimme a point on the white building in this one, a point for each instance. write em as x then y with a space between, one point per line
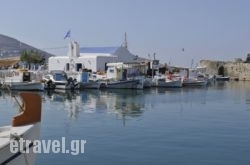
93 58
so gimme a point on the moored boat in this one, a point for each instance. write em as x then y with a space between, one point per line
194 82
123 76
21 80
123 84
87 80
58 80
26 86
193 77
222 78
168 81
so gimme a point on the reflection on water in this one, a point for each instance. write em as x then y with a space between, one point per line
200 125
238 91
121 102
127 104
132 103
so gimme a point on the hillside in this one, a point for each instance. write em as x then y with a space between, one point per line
6 62
10 47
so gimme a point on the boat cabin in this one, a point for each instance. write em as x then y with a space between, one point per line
122 71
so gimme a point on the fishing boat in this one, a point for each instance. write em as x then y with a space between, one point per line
194 82
147 82
26 125
88 80
57 79
22 80
222 78
123 76
26 86
167 81
194 78
123 84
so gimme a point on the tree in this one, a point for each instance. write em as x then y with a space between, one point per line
32 57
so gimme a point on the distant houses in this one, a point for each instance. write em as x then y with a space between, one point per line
92 58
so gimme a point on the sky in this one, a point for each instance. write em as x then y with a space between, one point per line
177 31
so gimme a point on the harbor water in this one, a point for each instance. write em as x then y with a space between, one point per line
208 125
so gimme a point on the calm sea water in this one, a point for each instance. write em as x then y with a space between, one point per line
155 126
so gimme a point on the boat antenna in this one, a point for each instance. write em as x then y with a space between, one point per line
192 63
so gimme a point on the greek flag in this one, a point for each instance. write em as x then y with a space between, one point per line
67 35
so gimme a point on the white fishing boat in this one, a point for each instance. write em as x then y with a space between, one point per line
125 76
138 82
22 80
192 77
167 81
26 126
194 82
202 72
87 80
123 84
58 80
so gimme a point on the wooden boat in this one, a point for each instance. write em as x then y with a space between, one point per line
26 86
147 83
124 76
194 82
22 80
26 125
88 80
123 84
167 81
142 82
194 78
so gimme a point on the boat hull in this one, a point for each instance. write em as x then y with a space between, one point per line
90 85
194 82
126 84
62 86
26 86
170 84
222 78
147 83
27 132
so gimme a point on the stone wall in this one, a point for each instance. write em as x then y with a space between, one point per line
235 70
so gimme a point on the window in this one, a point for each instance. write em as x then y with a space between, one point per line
67 67
78 66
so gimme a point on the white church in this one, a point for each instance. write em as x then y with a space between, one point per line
92 58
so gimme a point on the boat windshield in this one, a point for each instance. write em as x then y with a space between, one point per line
59 77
